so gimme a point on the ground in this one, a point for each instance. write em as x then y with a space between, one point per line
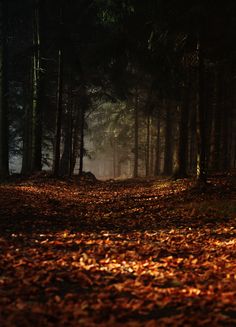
118 253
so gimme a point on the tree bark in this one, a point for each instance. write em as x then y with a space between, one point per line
136 135
37 93
57 151
168 158
201 119
66 159
81 150
148 146
182 158
4 128
32 138
158 146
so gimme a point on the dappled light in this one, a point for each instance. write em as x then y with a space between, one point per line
98 262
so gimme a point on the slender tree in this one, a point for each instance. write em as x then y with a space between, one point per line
33 93
158 145
148 145
201 117
37 92
4 149
83 108
136 134
168 156
182 162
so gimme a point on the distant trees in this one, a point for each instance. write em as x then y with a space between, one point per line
165 70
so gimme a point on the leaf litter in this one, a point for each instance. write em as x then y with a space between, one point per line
122 253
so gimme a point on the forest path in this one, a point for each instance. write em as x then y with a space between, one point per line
122 253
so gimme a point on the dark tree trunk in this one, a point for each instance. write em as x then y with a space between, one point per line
168 156
83 109
152 149
201 119
32 138
66 159
115 159
136 135
27 139
227 117
158 146
81 150
192 144
37 92
57 151
182 158
148 146
66 155
75 142
4 148
217 121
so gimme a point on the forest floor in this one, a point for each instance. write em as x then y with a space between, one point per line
118 253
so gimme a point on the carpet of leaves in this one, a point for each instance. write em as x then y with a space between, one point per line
131 253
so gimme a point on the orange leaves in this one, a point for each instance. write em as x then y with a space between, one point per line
140 254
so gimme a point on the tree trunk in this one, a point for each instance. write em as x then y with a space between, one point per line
57 151
152 148
115 159
27 138
70 127
148 146
37 92
192 146
83 109
201 119
168 158
32 138
4 148
136 135
66 159
81 150
182 158
158 146
75 141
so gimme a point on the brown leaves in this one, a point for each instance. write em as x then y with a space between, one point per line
144 254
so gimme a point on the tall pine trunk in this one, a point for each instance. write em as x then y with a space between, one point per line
4 148
157 169
136 135
37 93
27 137
148 146
57 150
201 118
182 158
81 149
168 156
32 136
66 158
84 104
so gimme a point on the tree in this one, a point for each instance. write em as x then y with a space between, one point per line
136 134
182 151
32 139
168 157
4 89
37 90
57 151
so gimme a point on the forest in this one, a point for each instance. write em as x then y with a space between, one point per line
136 89
117 163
